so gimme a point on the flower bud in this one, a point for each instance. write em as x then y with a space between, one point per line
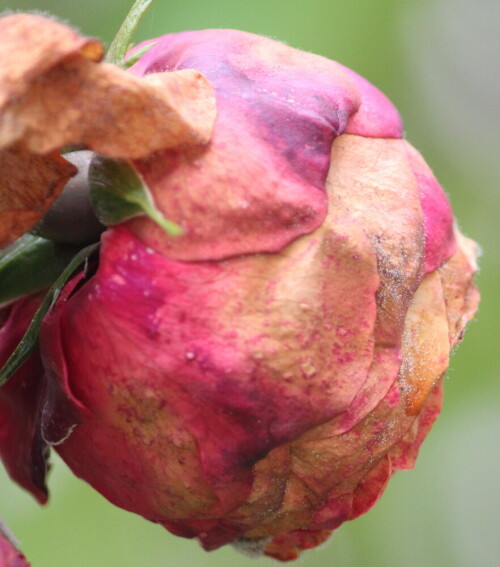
258 378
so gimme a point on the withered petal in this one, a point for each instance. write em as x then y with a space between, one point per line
30 45
53 93
28 185
109 111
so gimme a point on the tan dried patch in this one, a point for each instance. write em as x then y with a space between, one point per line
426 347
53 93
417 317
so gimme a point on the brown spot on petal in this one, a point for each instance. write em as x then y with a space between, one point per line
371 487
404 454
374 180
53 93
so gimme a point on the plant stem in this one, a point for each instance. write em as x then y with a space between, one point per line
120 45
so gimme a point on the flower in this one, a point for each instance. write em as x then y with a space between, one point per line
258 378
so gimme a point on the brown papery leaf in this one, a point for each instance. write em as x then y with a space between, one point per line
54 93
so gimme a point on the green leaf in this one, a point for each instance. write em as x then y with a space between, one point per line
30 264
29 341
117 193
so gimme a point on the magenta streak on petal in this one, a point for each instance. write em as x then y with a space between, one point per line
440 241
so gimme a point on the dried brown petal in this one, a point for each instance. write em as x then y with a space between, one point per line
31 45
28 185
109 111
425 343
53 94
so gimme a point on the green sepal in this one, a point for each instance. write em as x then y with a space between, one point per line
117 193
30 264
29 342
136 55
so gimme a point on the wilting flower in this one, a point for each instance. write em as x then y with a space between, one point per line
258 378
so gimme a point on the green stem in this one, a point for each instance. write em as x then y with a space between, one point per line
123 39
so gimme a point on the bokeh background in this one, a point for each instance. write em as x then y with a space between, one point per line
438 62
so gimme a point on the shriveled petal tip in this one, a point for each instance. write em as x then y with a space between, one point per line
31 45
109 111
53 93
72 100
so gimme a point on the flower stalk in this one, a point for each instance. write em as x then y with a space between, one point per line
122 41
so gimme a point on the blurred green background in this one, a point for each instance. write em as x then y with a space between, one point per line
437 60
